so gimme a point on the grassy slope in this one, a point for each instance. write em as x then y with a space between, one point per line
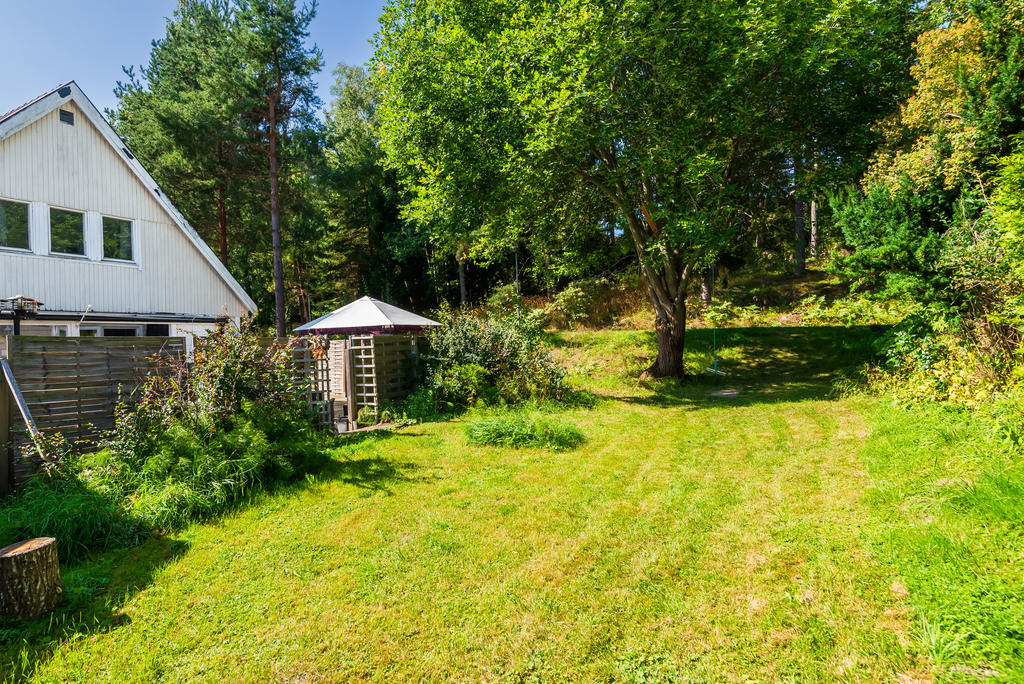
703 534
949 501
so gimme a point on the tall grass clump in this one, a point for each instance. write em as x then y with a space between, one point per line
197 438
58 503
517 430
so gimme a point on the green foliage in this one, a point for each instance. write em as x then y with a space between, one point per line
498 359
1007 214
506 120
198 439
852 310
924 361
368 248
458 386
573 304
935 220
227 76
517 430
505 299
79 515
896 238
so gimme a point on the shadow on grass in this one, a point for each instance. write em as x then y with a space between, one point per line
373 473
95 591
763 365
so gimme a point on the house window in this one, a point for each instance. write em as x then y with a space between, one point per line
13 224
117 239
121 331
67 232
111 331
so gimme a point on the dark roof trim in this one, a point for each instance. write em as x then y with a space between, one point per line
370 330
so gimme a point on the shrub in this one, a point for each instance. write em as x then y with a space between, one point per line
925 361
65 507
852 310
458 386
517 430
572 305
499 359
504 299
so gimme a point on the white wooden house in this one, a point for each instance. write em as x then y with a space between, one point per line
86 230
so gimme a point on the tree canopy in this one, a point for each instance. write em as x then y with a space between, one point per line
506 118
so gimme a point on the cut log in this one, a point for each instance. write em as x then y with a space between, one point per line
30 584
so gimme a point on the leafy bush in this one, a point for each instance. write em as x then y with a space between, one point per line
572 305
499 359
598 301
517 430
896 238
504 299
459 385
925 362
197 439
852 310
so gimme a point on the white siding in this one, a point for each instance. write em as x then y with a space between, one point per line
74 167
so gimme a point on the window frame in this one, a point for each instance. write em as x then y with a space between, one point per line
131 240
28 227
137 330
49 220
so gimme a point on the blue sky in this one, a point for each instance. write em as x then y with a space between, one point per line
46 42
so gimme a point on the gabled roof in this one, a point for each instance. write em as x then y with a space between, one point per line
367 315
30 112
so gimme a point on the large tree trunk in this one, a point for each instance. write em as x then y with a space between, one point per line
275 224
814 230
800 253
30 584
707 286
463 290
667 279
671 345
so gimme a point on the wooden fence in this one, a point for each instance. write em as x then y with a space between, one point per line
380 368
312 373
71 385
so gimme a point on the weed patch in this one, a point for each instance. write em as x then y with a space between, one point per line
517 430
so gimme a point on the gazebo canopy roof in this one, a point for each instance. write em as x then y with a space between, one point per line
367 316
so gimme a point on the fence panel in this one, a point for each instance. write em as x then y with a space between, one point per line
72 385
383 368
312 371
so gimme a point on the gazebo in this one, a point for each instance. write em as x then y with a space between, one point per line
372 357
367 316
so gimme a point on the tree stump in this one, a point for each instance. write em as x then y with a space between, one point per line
30 584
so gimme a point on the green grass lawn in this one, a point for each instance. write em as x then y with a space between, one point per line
754 527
